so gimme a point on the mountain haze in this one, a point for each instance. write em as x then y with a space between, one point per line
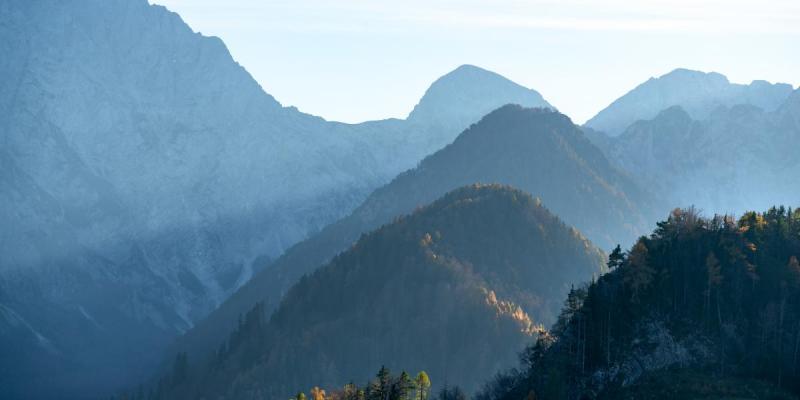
737 158
698 93
146 176
539 151
472 271
468 91
156 200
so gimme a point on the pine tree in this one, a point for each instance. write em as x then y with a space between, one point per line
404 386
616 258
452 393
381 386
713 281
638 272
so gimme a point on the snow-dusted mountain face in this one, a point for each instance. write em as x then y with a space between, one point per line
739 158
698 93
144 176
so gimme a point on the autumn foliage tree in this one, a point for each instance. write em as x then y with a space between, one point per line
385 386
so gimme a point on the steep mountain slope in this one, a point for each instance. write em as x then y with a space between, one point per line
698 93
146 176
538 151
454 289
467 91
738 157
703 308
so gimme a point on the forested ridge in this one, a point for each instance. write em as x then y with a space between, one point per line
702 308
538 151
456 288
244 200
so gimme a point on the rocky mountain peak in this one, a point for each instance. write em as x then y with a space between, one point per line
699 93
468 91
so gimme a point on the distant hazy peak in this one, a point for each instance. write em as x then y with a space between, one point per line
794 98
464 73
672 113
667 121
470 91
517 111
791 107
683 74
699 93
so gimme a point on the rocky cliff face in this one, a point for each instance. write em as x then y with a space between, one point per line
146 176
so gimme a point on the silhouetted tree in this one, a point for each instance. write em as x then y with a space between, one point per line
616 258
452 393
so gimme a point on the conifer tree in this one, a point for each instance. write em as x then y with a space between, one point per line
404 386
638 272
616 258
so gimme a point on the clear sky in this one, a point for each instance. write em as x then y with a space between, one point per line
354 60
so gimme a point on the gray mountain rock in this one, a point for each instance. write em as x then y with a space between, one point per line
146 176
698 93
738 159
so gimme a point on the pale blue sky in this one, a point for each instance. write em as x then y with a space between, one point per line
354 60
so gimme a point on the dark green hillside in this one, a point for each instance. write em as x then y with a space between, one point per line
456 289
703 308
538 151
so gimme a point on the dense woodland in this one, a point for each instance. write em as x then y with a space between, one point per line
702 308
712 304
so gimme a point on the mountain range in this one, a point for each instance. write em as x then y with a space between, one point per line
698 93
735 159
539 151
475 270
146 176
151 189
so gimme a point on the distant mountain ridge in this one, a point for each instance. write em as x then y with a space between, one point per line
738 158
536 150
146 176
455 288
468 91
699 93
